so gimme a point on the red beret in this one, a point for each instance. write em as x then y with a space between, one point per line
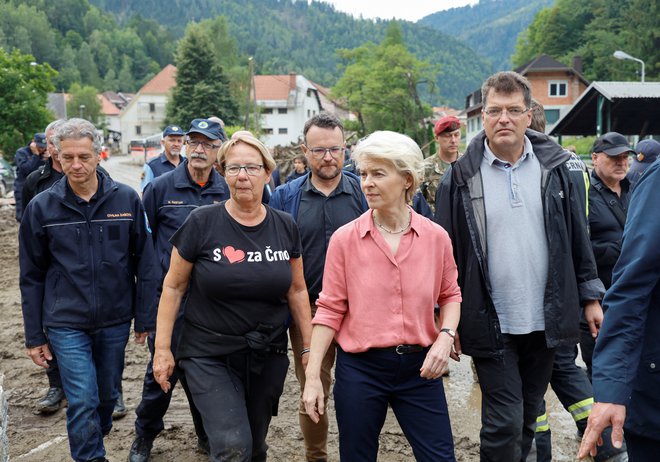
447 124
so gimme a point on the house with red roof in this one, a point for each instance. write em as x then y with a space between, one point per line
144 115
286 102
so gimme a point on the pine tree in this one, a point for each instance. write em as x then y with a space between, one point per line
202 88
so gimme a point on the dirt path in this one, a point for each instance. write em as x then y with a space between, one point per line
36 438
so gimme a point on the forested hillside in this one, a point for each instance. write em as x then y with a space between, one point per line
285 36
594 29
490 27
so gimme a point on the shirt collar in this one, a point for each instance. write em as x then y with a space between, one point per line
365 223
491 159
342 187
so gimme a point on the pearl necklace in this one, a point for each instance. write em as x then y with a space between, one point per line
395 232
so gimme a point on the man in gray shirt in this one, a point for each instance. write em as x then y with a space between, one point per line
524 260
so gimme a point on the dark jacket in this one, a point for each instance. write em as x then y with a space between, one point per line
626 368
287 196
572 277
169 199
26 163
607 214
86 273
40 180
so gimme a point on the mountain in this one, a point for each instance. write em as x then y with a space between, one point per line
296 36
490 27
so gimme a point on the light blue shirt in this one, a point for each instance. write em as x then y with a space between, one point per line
517 249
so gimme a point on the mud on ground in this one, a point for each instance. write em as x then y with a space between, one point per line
37 438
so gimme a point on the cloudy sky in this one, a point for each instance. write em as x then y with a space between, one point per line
411 10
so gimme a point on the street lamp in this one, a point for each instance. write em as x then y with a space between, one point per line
82 109
623 55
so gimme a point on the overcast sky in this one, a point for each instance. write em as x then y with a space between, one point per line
411 10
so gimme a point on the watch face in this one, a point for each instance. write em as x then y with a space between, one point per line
449 331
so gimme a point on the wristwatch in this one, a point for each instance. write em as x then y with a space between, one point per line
448 331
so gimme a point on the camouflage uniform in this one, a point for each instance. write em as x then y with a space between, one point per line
433 170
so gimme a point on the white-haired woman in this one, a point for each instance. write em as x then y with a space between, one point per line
384 274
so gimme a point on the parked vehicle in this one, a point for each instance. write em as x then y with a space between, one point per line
7 177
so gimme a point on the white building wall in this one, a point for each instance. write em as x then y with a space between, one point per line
301 106
144 111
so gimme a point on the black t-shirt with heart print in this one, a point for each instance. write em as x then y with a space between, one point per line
240 276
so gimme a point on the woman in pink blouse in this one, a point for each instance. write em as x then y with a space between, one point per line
384 274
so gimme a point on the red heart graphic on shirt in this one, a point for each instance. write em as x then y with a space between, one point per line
233 255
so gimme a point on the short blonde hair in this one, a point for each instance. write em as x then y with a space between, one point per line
400 150
249 139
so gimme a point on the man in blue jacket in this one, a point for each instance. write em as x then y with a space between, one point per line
86 270
626 368
320 201
168 200
167 160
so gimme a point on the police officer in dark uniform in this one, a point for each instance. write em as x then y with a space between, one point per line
168 160
168 200
27 160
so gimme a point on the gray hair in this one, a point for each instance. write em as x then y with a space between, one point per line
507 82
400 150
53 126
77 129
249 139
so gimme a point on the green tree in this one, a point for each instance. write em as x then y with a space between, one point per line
24 87
84 103
202 88
380 85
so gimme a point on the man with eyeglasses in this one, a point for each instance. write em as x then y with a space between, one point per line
448 137
524 261
320 201
168 200
168 160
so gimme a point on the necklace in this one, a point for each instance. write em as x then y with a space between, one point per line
389 231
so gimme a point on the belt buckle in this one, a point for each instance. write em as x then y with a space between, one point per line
402 349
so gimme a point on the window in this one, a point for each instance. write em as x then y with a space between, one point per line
309 92
281 110
268 110
138 129
268 131
308 113
283 131
152 107
557 89
551 116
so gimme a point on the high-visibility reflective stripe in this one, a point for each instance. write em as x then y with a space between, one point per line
585 177
542 424
581 409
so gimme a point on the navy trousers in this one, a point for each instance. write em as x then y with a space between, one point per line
366 383
155 402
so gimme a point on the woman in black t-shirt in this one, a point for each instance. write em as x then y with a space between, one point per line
242 261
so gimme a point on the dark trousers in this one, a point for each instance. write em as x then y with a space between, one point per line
365 383
154 403
512 389
641 449
53 371
587 345
236 405
573 388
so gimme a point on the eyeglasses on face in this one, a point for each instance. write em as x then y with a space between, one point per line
205 146
250 169
319 153
512 112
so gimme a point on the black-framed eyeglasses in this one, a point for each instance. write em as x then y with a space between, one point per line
513 112
319 153
250 169
205 146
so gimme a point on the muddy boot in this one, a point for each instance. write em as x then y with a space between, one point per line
120 409
140 450
51 402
